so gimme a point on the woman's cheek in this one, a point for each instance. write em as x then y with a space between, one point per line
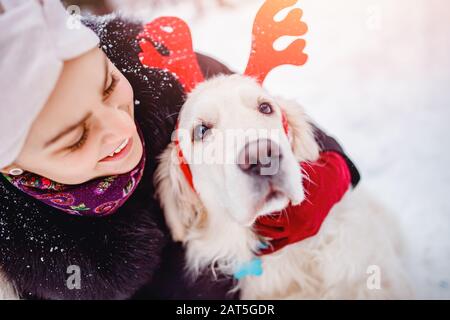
85 158
125 94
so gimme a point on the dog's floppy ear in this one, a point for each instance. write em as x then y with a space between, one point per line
301 131
7 289
181 205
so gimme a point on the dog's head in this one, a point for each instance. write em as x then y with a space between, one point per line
243 161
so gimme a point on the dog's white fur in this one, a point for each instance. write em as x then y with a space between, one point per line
357 235
7 289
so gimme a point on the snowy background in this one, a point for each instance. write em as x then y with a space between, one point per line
378 78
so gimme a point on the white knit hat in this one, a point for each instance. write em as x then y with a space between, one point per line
36 37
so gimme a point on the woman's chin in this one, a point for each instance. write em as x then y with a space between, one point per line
135 157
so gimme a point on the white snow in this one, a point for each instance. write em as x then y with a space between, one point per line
378 79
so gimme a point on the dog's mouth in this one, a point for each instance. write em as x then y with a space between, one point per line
273 195
272 201
275 199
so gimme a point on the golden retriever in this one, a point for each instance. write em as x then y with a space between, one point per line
245 164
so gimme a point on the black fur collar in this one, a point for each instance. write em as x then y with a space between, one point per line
117 255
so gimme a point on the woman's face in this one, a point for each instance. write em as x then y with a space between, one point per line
86 129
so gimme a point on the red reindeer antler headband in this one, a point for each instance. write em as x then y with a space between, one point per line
166 43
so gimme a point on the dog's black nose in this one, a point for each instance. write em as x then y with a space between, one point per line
260 158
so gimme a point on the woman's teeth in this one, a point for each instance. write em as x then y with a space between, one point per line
120 148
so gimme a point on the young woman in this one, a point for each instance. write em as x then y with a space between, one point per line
82 124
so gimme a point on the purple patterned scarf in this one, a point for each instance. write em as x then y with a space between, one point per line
98 197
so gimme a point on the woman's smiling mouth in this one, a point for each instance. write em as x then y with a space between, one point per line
120 152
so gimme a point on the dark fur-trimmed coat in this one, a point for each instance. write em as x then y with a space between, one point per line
128 254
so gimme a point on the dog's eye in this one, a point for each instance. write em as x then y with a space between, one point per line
200 131
265 108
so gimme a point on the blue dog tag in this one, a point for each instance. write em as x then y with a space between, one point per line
251 268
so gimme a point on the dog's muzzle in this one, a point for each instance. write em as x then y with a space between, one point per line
261 157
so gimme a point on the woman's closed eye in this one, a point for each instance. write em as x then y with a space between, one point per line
109 90
82 140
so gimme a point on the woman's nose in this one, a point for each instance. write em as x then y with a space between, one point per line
115 125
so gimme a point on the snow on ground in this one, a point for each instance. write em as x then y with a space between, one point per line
378 79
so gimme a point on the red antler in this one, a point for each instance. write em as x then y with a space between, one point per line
266 30
166 43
